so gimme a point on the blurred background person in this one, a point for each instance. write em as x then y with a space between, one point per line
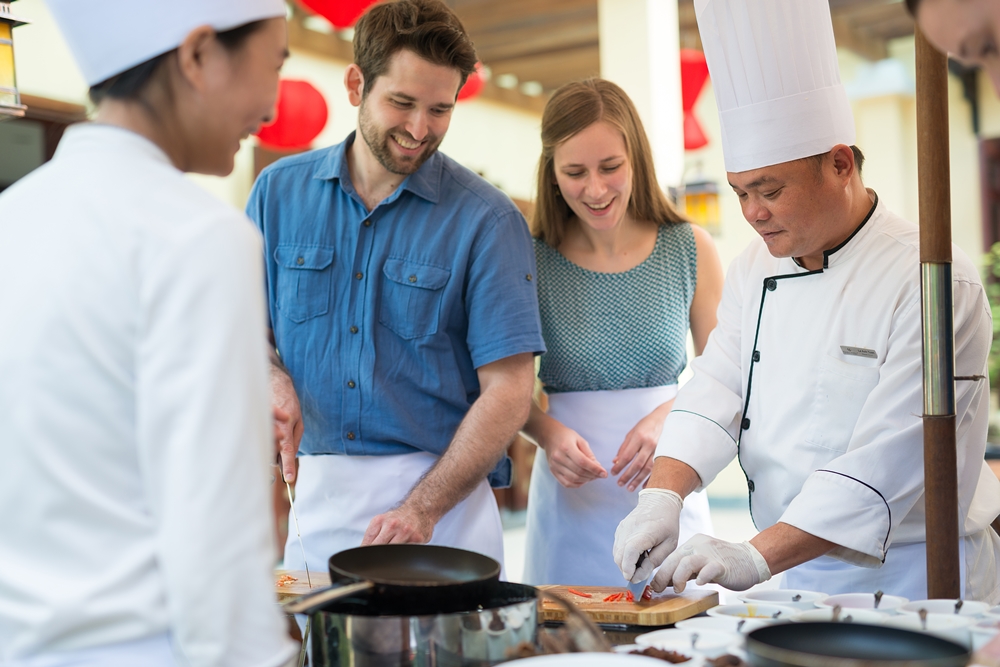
622 277
965 29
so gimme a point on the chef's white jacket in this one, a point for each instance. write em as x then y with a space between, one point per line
134 412
814 380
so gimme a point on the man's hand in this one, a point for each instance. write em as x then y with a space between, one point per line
652 526
737 566
287 421
399 526
635 456
569 457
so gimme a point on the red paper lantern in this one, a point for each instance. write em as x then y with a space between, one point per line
341 13
302 115
694 71
474 84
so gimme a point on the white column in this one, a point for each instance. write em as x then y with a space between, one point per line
640 52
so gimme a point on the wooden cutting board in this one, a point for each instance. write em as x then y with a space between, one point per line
662 609
296 589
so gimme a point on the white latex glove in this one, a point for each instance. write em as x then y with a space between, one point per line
737 566
652 526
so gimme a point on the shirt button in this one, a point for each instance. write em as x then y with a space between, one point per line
756 355
745 424
350 435
413 279
300 261
750 485
368 223
354 330
771 284
350 383
528 277
359 275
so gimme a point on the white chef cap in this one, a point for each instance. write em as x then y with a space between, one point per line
108 37
774 71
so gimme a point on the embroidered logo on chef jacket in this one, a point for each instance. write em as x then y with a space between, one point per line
858 352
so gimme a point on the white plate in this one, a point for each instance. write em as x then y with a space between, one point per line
708 643
762 612
724 623
887 605
826 615
953 628
946 607
590 660
784 597
983 632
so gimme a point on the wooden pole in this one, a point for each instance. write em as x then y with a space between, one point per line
940 468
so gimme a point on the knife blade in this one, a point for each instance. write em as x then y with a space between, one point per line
295 519
637 588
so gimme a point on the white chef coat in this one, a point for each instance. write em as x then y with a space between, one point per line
822 372
135 411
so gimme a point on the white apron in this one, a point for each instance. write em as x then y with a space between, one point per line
904 572
149 652
571 532
337 496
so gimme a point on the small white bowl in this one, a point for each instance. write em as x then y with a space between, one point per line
983 631
591 660
944 607
846 616
724 623
763 612
708 643
887 605
784 597
993 612
953 628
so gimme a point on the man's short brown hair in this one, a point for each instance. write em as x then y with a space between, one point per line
427 27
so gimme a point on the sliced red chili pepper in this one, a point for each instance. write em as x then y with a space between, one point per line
580 593
629 597
610 598
647 593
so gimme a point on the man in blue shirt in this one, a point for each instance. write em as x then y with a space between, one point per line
402 306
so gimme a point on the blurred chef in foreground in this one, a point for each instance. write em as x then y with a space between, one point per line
136 434
965 29
813 376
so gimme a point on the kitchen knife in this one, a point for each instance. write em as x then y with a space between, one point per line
295 519
637 588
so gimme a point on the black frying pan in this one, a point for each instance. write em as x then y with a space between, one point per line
408 573
849 645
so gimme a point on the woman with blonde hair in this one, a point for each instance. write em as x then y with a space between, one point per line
622 277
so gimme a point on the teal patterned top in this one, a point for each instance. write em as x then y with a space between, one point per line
617 330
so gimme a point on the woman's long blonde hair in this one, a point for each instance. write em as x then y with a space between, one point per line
571 109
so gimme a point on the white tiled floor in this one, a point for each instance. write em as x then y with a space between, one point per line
730 519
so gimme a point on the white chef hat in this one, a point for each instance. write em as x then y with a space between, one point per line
108 37
774 71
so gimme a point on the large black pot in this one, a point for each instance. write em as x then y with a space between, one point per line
849 645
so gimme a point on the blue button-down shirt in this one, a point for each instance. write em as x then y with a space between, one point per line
382 317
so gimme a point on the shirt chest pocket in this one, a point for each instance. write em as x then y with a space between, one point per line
304 281
841 392
411 297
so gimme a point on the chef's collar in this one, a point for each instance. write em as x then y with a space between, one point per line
424 182
842 251
101 136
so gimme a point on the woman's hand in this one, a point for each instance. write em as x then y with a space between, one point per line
635 456
569 456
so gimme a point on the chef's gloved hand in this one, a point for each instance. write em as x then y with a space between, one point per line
737 566
652 526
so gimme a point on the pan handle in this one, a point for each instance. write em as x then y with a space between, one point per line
307 604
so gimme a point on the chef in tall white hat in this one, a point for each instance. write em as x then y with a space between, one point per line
134 401
812 379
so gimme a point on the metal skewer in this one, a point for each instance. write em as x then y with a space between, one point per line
291 503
